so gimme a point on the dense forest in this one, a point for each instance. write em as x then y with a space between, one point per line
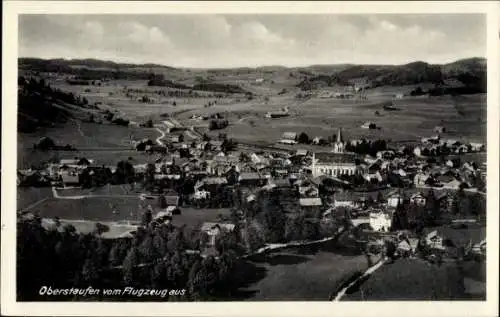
41 105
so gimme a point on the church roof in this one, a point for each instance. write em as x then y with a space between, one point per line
329 158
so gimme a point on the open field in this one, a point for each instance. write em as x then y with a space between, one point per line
101 209
106 144
416 279
415 119
305 273
464 117
27 196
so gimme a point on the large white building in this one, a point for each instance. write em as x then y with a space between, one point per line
334 164
381 221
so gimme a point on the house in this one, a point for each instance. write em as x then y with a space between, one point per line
369 125
301 152
418 151
69 162
172 199
317 140
369 177
388 155
381 221
434 241
394 199
287 141
214 229
211 184
439 129
289 136
310 206
176 138
404 248
277 114
453 163
462 149
251 179
201 194
418 199
70 179
420 179
479 248
173 210
163 216
344 199
310 202
334 164
477 147
308 191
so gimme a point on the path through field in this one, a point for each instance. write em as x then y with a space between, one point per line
34 204
367 273
76 197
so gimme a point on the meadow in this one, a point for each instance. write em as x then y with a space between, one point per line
310 273
101 208
415 279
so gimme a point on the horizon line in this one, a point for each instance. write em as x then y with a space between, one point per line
243 67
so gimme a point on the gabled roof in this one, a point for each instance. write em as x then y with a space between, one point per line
308 202
249 176
332 158
289 135
208 226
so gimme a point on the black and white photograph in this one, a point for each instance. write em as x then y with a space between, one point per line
252 157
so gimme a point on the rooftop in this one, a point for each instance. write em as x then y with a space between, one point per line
329 158
306 202
207 226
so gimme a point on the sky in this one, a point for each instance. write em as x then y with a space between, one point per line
224 41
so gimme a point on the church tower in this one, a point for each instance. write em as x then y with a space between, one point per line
338 146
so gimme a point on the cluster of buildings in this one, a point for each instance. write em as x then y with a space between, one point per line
213 174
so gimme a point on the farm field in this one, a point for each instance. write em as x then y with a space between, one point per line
415 119
27 196
106 144
101 209
428 282
464 117
307 273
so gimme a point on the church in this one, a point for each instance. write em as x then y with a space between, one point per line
336 162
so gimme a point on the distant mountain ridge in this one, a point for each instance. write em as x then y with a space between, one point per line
470 71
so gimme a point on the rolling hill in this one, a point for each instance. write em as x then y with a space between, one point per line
470 72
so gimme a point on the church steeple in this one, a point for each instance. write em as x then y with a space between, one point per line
338 146
339 136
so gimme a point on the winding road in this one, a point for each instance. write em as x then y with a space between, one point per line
158 140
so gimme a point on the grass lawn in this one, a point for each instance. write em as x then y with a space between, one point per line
306 273
417 280
27 196
101 209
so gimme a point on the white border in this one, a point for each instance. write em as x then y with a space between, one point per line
289 309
